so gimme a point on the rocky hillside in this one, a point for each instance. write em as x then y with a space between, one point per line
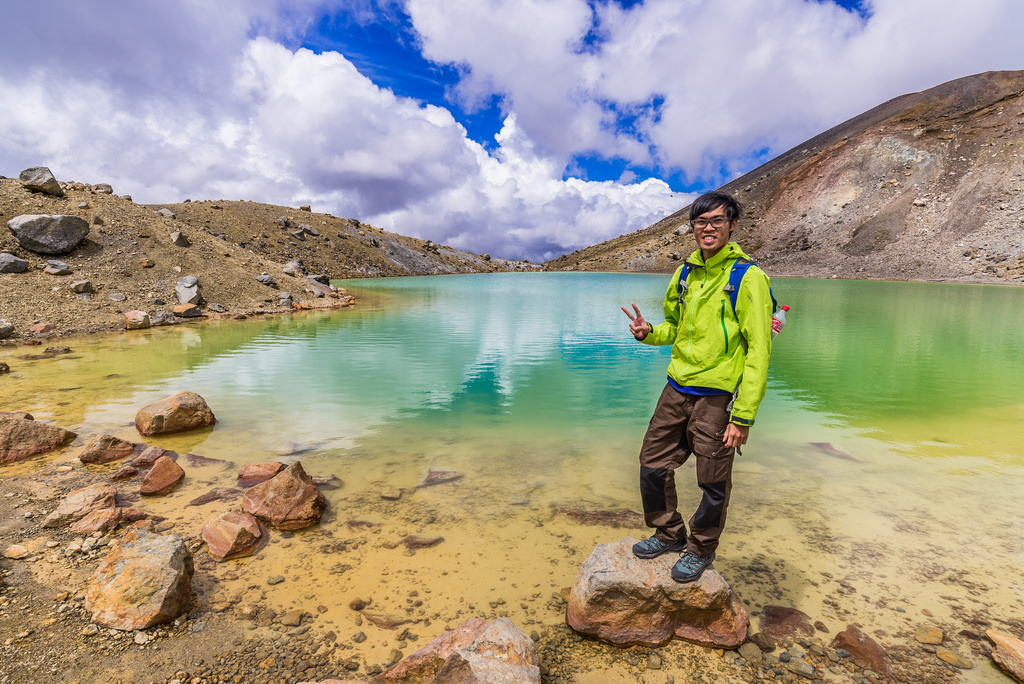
132 263
928 186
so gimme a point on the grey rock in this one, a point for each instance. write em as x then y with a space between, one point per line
298 235
116 297
187 290
267 280
103 188
305 207
39 179
802 668
295 267
97 221
216 307
57 267
178 238
83 205
166 212
6 329
48 233
320 278
12 264
751 653
82 286
309 230
162 318
284 222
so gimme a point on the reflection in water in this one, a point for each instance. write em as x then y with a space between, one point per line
885 456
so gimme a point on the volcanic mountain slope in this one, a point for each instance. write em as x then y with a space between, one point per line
927 186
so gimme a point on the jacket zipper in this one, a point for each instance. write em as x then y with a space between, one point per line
725 334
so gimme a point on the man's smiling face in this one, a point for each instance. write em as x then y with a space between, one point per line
711 230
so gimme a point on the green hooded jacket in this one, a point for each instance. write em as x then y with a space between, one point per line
711 346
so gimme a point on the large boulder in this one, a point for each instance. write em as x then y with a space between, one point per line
187 290
144 580
22 438
1009 654
81 503
48 233
162 477
40 179
233 535
475 651
177 413
107 448
288 501
863 650
626 601
12 264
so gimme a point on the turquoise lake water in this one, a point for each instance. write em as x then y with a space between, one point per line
884 474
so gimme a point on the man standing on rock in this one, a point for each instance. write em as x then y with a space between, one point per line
716 379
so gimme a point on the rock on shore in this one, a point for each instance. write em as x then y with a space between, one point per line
475 651
626 601
22 437
146 579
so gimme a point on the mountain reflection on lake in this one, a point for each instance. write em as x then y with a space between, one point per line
883 477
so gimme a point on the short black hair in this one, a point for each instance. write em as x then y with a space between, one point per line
710 201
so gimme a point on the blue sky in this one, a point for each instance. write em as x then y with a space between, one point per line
522 128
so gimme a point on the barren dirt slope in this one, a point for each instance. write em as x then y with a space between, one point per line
927 186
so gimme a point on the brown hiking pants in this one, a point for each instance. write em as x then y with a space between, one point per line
683 424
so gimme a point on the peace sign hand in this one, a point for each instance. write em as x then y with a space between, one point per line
637 325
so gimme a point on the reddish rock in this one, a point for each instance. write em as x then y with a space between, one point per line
864 650
150 455
144 580
233 535
254 473
187 311
288 501
475 651
137 320
197 460
102 520
133 514
162 477
41 329
215 494
780 623
107 448
125 472
82 502
22 438
1009 654
626 601
183 411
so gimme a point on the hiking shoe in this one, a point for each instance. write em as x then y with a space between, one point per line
654 547
690 567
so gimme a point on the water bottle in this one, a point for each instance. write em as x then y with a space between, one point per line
779 320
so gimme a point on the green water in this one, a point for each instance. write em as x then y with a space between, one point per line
886 455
